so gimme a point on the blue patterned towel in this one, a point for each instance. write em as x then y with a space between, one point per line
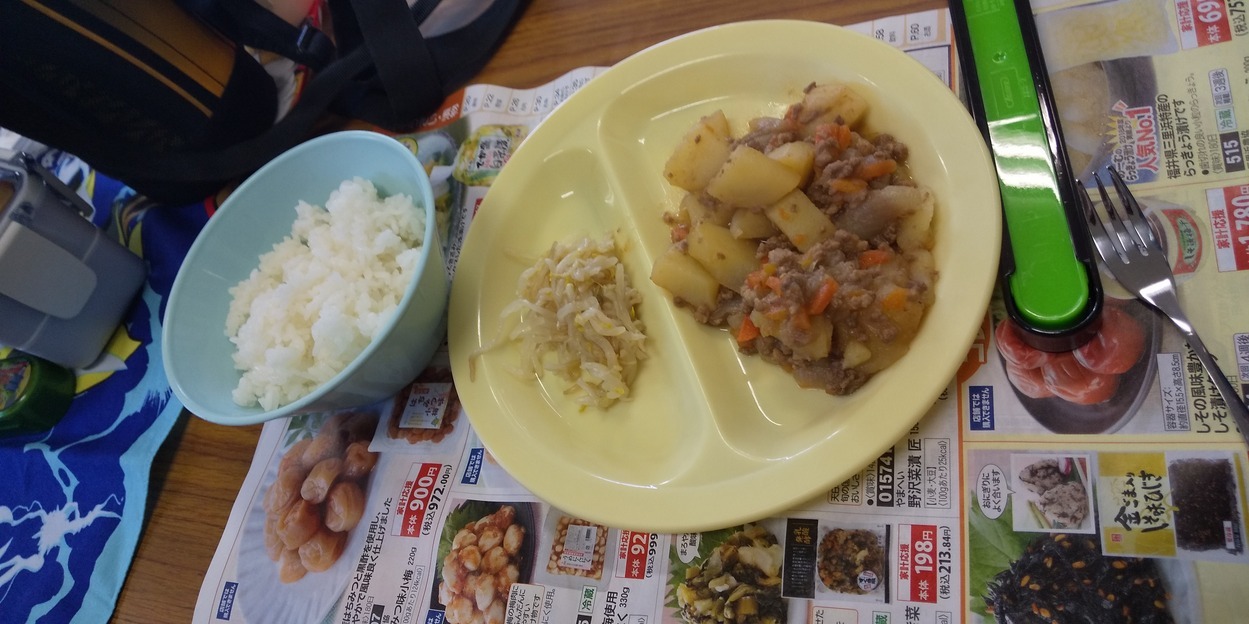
73 499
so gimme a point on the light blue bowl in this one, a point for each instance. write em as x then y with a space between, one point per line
260 213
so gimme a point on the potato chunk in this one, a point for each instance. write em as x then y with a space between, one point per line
685 278
829 103
854 354
748 223
750 178
815 344
799 156
915 230
699 210
700 153
802 222
727 259
906 314
819 340
923 270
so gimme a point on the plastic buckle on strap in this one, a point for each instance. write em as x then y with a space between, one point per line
314 48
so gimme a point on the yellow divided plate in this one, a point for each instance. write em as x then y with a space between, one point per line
710 438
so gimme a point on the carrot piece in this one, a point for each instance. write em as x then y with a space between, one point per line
773 282
754 279
747 332
844 138
895 300
823 296
838 132
848 185
874 257
870 168
759 277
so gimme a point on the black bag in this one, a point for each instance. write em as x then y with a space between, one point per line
168 99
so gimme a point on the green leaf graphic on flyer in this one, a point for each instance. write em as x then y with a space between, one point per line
993 545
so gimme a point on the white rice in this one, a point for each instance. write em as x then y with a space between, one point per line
319 297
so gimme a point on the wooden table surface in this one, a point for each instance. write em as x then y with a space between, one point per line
197 474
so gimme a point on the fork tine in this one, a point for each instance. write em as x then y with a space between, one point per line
1136 216
1097 229
1115 229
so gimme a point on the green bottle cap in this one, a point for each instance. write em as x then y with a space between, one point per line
34 393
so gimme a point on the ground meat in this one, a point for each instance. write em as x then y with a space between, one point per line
767 133
833 163
798 276
830 201
821 192
825 374
768 245
728 307
889 147
833 251
870 323
841 251
852 309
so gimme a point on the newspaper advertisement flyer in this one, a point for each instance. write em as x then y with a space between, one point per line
1015 488
1118 461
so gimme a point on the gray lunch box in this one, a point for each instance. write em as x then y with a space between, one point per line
64 284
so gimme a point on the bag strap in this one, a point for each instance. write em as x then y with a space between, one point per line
422 9
421 72
248 23
400 55
410 83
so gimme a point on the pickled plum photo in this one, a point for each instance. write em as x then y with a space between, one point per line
1072 382
1028 381
1089 375
1014 350
1095 388
1118 345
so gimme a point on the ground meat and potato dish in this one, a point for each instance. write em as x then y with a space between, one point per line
805 236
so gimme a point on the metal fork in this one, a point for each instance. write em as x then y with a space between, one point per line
1130 250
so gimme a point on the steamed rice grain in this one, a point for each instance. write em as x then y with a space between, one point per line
320 295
